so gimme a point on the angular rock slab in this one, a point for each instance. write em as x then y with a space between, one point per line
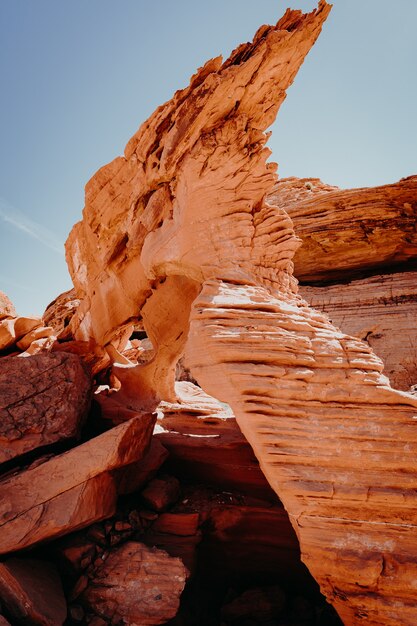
43 399
71 490
139 585
31 591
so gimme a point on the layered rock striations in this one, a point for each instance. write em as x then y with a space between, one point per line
177 232
351 238
347 233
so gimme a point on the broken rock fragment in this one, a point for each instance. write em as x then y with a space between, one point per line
137 585
43 399
69 491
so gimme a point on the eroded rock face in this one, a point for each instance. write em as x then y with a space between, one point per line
139 585
43 399
6 306
348 231
381 310
59 312
178 231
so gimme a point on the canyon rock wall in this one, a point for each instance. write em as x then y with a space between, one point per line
178 233
350 238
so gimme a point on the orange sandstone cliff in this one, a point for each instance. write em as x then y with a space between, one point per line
177 233
187 322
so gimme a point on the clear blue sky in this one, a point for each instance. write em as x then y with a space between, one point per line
79 76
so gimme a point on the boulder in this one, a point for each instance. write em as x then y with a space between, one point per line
137 585
69 491
131 478
43 399
31 591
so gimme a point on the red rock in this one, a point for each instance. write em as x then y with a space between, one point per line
6 307
131 478
75 554
32 593
12 330
93 356
182 524
161 493
41 332
59 312
7 334
3 621
144 593
43 399
205 442
177 232
34 508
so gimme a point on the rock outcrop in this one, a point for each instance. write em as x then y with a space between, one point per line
43 400
347 232
178 232
381 310
349 237
6 306
59 312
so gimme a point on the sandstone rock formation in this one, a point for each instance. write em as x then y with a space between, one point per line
381 310
146 592
177 232
59 312
71 490
204 441
43 400
349 231
25 335
352 235
6 306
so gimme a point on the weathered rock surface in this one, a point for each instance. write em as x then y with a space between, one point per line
205 442
348 231
178 231
43 399
138 585
71 490
381 310
31 591
130 478
6 306
14 329
59 312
